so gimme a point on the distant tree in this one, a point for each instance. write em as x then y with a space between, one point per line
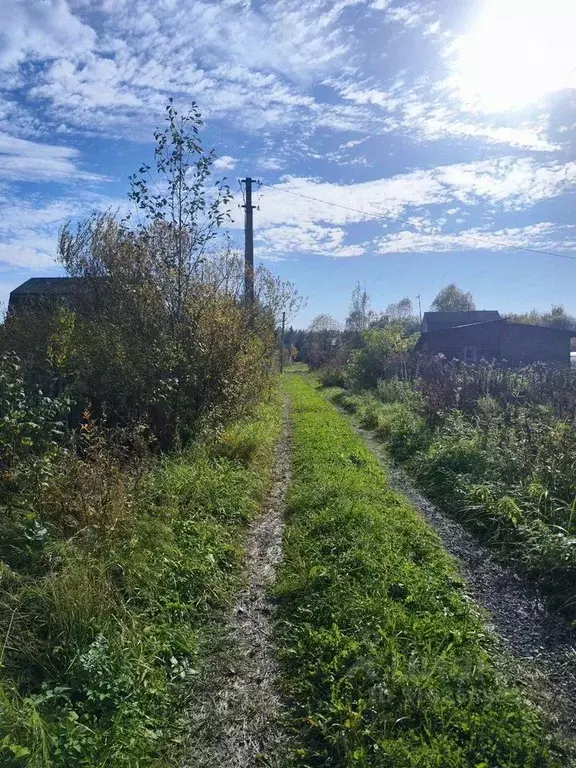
324 323
557 317
322 342
360 315
400 313
452 299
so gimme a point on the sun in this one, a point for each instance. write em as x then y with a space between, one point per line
516 53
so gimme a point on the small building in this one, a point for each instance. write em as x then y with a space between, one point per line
495 339
39 290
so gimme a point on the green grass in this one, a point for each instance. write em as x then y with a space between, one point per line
102 643
383 655
511 486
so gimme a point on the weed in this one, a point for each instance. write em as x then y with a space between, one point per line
102 637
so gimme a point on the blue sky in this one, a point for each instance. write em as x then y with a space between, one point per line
450 127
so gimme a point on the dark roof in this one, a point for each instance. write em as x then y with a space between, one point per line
435 321
502 320
48 286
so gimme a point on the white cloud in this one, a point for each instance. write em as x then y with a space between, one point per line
543 236
353 143
411 14
528 137
21 159
514 183
111 61
41 29
271 164
29 228
506 183
290 222
225 163
28 252
305 237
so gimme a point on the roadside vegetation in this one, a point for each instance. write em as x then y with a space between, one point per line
494 445
496 448
384 656
136 436
113 574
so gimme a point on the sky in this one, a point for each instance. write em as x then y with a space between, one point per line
437 139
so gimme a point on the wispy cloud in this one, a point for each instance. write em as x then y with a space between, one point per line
506 183
125 59
311 216
317 91
305 238
21 159
42 30
545 236
29 228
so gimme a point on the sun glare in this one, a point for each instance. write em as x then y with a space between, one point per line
517 52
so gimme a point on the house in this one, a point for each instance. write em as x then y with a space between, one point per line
39 290
494 338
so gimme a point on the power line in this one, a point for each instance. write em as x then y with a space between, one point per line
410 224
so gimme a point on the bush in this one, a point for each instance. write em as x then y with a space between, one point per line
454 452
383 355
403 430
397 391
333 376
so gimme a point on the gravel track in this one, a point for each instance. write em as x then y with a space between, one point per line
544 642
236 722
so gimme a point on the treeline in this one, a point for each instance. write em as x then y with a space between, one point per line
123 486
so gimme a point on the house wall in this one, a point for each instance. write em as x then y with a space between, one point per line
452 342
513 342
531 344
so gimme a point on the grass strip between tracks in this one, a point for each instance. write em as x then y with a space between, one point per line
385 658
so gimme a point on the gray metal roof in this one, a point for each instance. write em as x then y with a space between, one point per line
503 321
436 321
48 286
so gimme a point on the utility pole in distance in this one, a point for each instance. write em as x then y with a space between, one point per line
282 341
248 244
419 310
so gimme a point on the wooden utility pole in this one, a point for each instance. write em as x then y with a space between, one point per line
419 308
282 341
248 244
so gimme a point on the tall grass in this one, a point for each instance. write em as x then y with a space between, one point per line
384 656
111 579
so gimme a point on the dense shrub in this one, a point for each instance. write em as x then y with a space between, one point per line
333 376
155 330
383 354
395 390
